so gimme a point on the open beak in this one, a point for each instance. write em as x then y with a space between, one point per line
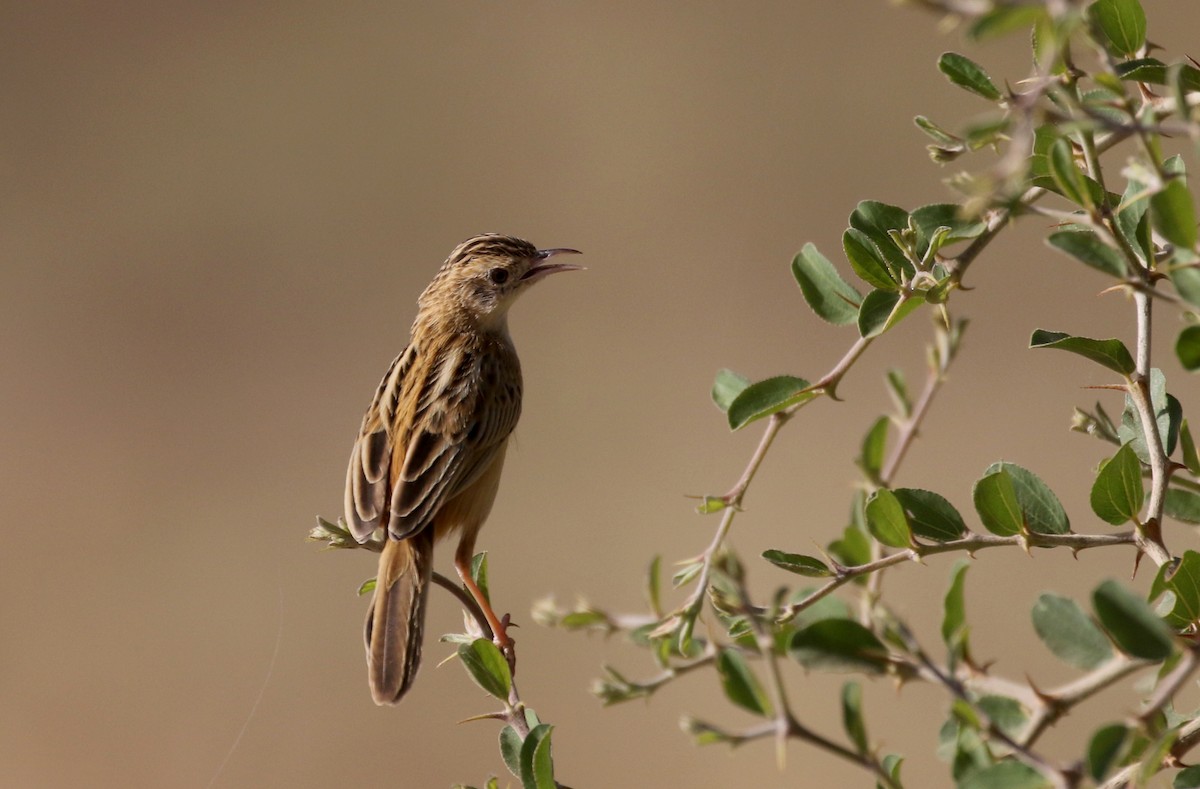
542 267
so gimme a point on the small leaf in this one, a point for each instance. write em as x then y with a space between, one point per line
366 587
1187 348
1110 353
1086 247
1182 505
966 73
1007 714
479 573
654 586
1174 214
510 750
852 717
1066 174
1005 19
891 767
800 564
878 221
883 309
996 503
1168 415
1008 774
1131 623
1186 280
727 387
886 519
1154 71
740 684
1123 24
937 133
487 667
853 548
838 645
1041 511
1188 778
537 765
930 515
1187 448
767 397
829 296
928 218
865 259
1068 632
1117 494
1105 750
954 616
873 447
1182 578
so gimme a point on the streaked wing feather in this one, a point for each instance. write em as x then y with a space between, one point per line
367 475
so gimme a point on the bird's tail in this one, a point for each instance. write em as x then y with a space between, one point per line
396 619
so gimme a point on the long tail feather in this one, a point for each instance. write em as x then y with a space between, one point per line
396 619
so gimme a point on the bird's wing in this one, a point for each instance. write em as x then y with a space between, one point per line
468 403
367 478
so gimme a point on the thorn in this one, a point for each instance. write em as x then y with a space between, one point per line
499 716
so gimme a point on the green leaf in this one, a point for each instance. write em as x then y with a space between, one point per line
767 397
891 767
937 133
799 564
1187 348
878 221
1123 24
487 667
1188 778
1182 505
996 503
1008 774
886 519
883 309
928 218
1174 214
829 296
537 764
366 587
1069 633
1041 511
1168 414
1186 280
1182 578
930 515
740 684
727 387
479 573
1005 19
873 447
1008 714
841 645
1067 176
866 260
954 617
852 717
510 750
1105 750
1110 353
1086 247
1154 71
1134 627
1117 494
654 585
1187 448
967 74
853 548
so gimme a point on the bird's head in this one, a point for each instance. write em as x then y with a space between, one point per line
484 275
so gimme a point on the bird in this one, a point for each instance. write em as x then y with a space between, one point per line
427 461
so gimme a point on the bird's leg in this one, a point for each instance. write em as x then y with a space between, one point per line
499 625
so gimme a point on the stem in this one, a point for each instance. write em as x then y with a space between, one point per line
1150 534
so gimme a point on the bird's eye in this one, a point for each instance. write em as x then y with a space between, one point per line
498 276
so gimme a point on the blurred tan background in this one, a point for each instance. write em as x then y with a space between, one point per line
215 219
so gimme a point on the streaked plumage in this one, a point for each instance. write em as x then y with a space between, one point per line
430 451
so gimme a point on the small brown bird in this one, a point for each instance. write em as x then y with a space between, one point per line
431 447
